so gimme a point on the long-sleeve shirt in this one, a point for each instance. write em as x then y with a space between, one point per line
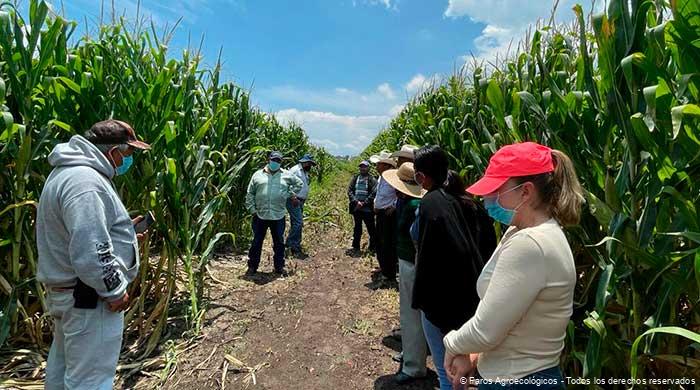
386 195
527 292
368 198
448 262
298 171
268 193
83 230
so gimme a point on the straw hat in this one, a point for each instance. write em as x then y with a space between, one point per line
402 180
407 151
383 157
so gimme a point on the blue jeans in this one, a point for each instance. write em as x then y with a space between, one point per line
260 227
437 349
548 379
296 222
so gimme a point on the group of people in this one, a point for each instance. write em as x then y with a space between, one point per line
494 313
89 245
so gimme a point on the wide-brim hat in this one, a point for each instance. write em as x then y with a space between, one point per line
407 151
516 160
384 157
402 179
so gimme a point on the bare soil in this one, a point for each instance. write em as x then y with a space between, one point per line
327 325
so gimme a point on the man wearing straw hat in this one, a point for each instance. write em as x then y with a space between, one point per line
413 342
384 209
404 155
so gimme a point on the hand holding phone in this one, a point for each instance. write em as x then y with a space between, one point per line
144 223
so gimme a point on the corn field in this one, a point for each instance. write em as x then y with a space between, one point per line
619 92
206 136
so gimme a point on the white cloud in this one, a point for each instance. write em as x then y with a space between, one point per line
388 4
339 134
419 83
507 21
396 110
339 100
386 91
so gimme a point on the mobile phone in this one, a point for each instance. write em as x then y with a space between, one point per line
145 223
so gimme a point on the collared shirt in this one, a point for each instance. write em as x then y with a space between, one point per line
268 193
298 171
386 195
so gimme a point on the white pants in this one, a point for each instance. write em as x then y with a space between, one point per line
413 343
85 347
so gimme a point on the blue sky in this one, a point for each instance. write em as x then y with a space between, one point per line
340 68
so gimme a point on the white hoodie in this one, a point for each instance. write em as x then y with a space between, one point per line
83 230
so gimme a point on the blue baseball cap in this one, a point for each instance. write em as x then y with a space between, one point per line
307 158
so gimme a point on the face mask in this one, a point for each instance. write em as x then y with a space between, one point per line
498 212
127 161
274 166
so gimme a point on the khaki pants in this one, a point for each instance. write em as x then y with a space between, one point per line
412 336
85 347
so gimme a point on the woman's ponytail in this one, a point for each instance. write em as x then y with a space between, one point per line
568 195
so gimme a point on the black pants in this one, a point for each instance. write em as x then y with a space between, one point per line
367 217
260 227
386 244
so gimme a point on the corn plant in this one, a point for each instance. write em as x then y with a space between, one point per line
619 94
206 141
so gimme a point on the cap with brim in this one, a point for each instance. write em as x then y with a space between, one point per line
363 163
516 160
402 179
115 132
307 158
275 155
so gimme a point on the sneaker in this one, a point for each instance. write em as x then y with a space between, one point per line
251 272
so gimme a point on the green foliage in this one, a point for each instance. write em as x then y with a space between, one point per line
621 98
207 140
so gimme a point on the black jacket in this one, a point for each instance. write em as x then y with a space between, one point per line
372 189
449 261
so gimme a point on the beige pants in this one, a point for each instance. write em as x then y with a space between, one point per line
85 347
412 338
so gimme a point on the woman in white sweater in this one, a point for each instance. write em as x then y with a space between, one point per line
527 287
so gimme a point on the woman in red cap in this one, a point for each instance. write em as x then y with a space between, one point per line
527 287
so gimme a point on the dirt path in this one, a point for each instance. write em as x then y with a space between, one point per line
325 326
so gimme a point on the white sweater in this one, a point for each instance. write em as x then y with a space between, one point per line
527 292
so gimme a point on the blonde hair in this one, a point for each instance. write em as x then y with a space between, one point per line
560 190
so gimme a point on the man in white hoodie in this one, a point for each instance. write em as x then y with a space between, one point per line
88 254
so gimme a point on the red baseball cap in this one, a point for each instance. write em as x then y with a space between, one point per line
523 159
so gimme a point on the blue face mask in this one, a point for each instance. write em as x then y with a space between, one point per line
127 161
498 212
274 166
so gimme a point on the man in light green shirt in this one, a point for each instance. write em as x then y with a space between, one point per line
266 200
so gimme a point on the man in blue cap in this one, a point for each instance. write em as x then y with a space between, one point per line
268 192
296 207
